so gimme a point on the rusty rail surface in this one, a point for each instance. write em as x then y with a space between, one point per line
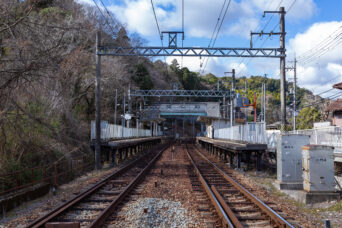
88 192
275 219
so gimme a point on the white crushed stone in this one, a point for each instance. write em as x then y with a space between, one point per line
154 212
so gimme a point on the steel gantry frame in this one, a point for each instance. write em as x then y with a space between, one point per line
190 51
181 93
104 50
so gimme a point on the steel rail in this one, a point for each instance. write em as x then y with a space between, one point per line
227 209
78 198
99 221
225 219
279 220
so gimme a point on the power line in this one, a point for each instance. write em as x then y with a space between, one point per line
322 51
155 17
160 35
326 82
105 18
213 34
265 26
321 43
337 95
325 91
294 1
218 31
109 14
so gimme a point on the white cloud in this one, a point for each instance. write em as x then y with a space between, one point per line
89 2
317 74
201 15
216 65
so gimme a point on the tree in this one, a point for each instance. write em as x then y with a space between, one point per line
142 77
307 117
174 66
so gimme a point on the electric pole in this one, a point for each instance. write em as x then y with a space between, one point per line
282 69
98 104
232 113
264 102
129 105
116 104
294 68
295 94
281 34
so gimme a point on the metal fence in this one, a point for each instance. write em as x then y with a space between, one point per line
54 174
250 132
112 131
271 139
329 136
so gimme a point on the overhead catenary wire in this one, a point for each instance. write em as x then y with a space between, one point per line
105 18
160 34
213 34
265 26
218 30
155 17
108 13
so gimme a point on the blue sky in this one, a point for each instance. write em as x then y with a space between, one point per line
308 23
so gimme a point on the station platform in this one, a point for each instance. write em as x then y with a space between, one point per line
236 151
115 151
122 143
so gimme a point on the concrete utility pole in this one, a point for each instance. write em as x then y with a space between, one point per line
294 68
123 121
129 105
116 104
282 69
233 88
233 80
232 113
224 107
294 94
98 104
282 57
265 103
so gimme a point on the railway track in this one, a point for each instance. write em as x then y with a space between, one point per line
95 205
235 205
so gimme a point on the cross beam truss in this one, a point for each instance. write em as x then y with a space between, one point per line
181 93
191 51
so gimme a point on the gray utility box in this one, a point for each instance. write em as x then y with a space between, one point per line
289 157
318 168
